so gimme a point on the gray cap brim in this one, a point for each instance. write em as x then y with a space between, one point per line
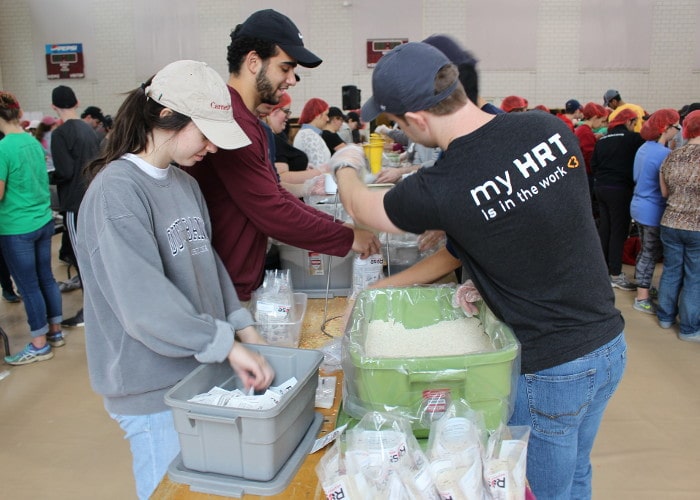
370 110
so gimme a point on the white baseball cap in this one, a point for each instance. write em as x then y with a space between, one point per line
194 89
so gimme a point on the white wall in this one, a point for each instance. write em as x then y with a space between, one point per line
333 31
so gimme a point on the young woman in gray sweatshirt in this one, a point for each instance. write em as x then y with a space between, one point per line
158 300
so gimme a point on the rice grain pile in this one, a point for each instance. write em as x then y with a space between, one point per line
389 339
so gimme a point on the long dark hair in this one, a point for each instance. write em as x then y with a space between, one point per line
137 117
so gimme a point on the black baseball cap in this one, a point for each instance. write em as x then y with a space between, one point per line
270 25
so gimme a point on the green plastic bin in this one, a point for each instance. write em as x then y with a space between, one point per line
420 388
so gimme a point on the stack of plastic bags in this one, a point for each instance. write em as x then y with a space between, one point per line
274 306
380 458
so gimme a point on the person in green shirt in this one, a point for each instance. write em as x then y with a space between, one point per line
26 228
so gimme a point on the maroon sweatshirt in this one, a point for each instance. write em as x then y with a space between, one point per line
247 204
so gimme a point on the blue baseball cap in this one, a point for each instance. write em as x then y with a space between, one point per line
404 80
572 105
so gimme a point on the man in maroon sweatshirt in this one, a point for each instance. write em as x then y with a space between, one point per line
246 203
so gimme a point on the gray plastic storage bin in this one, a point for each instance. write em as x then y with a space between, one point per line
309 271
250 444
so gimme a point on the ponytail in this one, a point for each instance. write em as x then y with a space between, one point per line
133 126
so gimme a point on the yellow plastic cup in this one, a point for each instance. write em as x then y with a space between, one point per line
375 157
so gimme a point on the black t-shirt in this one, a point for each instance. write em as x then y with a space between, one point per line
286 153
513 199
331 139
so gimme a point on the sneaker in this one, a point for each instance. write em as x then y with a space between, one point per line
30 354
70 285
56 339
666 324
620 281
689 337
76 320
10 296
645 306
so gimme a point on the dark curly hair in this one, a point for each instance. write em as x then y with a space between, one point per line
241 45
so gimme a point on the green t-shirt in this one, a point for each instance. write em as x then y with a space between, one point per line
26 205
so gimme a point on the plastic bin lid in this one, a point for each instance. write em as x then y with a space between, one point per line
233 486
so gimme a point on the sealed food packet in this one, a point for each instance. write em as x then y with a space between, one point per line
379 458
325 392
505 463
455 449
236 398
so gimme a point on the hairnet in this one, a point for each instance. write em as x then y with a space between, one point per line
658 122
593 109
622 117
513 102
312 109
691 125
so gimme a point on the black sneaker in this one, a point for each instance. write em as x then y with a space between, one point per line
10 296
76 320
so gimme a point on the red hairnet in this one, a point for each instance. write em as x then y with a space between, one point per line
658 122
622 117
691 125
312 109
592 110
542 107
513 102
285 101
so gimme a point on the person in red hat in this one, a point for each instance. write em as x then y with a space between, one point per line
312 121
514 104
595 117
679 288
648 204
292 164
611 163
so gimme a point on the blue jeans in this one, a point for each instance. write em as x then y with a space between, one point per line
679 287
28 258
563 406
154 444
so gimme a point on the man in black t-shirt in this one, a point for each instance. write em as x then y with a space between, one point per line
511 193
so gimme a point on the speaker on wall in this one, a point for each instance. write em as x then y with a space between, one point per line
351 97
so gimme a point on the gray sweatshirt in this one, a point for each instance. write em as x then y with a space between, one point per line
158 300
